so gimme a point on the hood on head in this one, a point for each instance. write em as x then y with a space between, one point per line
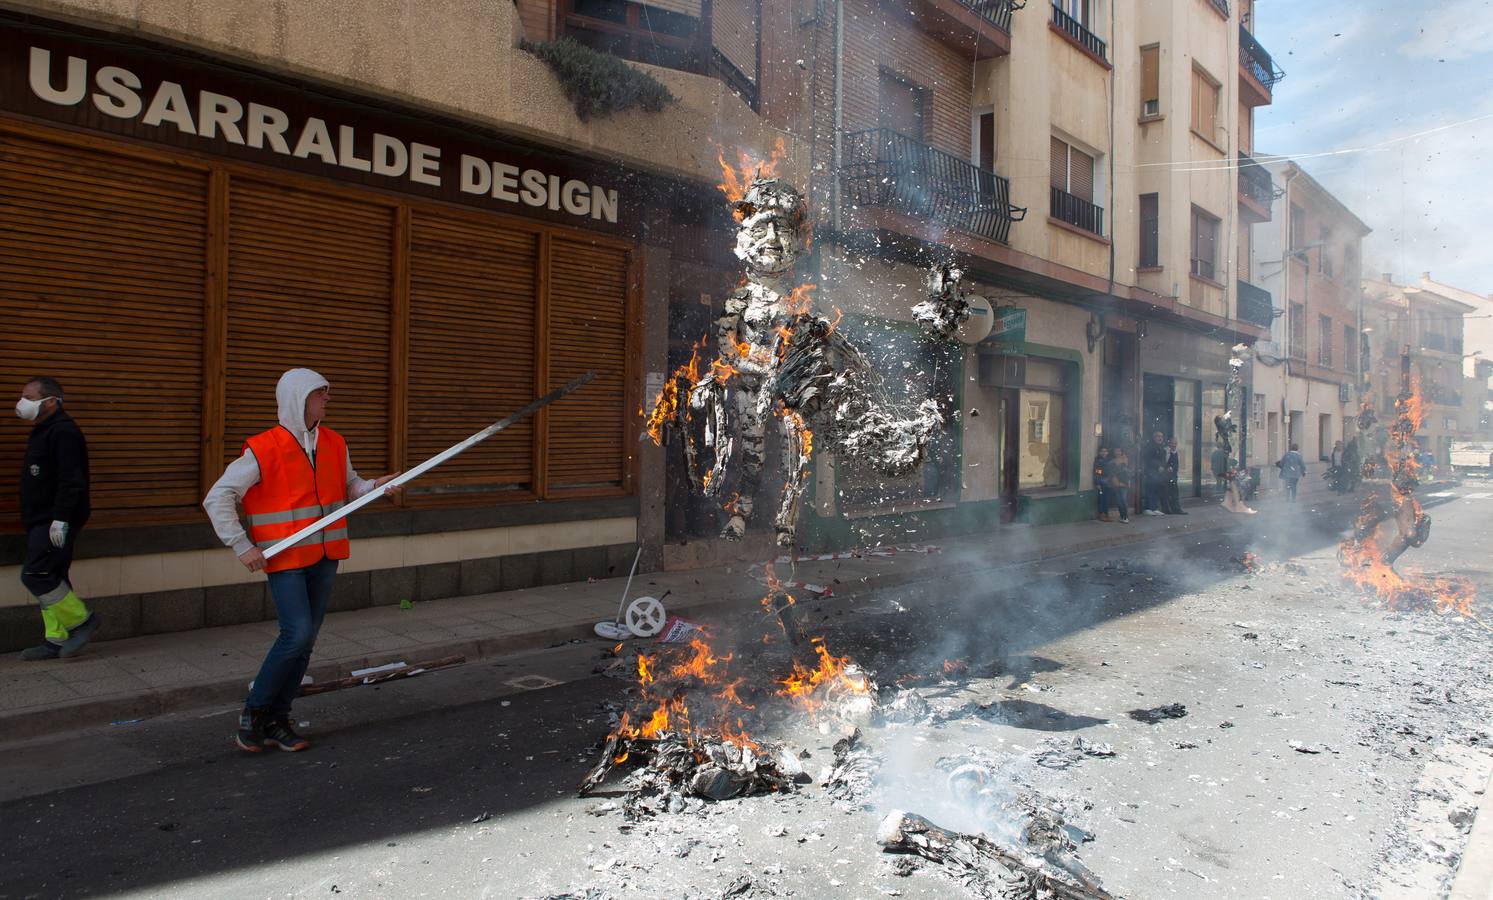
291 393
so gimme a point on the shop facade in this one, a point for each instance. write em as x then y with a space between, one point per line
181 229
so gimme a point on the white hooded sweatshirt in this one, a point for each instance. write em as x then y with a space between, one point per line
222 500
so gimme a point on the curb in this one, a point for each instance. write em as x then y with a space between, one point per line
35 723
1475 873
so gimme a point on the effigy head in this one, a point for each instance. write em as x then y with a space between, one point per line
770 237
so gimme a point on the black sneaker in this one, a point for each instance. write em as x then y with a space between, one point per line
250 731
43 651
278 733
78 636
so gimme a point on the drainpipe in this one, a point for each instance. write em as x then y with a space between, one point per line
1110 288
839 113
1285 280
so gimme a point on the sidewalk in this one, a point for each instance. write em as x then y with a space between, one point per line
147 676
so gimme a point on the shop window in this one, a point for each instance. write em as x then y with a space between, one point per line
1042 391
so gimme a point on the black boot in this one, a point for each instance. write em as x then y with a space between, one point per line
251 724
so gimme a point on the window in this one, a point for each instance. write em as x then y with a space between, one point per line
985 141
1204 244
1078 10
1042 454
1350 349
901 105
1257 413
1150 231
1298 227
662 33
1297 325
1204 105
1324 257
1072 173
1324 341
1150 81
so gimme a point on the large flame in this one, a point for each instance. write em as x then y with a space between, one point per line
666 405
736 179
811 688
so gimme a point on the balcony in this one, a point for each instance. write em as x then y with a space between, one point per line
688 41
1066 24
978 27
883 169
1077 212
1255 305
1222 6
1258 73
1256 190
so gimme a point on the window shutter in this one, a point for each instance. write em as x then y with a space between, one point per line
309 279
473 284
683 7
586 437
1081 174
1150 78
734 29
1059 164
102 271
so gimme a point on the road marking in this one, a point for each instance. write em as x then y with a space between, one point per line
1443 494
1481 495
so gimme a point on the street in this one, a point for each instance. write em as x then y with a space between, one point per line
1328 749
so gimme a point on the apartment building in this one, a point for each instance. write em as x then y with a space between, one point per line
1304 378
1428 326
1477 357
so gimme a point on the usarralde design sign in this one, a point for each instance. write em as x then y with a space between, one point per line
102 85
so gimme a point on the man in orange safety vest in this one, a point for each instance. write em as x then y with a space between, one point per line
287 478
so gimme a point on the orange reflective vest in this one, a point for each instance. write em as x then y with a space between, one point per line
292 493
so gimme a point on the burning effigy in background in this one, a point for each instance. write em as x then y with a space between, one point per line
1390 472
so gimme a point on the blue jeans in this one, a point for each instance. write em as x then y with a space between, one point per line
1103 492
1121 498
1291 488
300 597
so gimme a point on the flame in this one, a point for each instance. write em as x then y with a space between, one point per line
645 669
666 404
799 302
810 688
955 667
701 664
736 179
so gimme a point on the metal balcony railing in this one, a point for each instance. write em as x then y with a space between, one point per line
1222 6
1256 61
996 12
883 168
1255 182
1074 29
1255 305
1077 212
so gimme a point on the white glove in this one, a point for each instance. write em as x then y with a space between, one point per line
58 533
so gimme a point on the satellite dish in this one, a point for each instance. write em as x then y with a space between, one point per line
981 319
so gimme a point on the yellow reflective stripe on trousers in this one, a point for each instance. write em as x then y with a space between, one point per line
284 516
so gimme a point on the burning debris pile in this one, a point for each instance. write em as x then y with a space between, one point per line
1390 471
776 357
690 728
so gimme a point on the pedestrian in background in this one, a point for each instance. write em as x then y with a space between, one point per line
54 509
1171 501
1351 466
1153 475
1292 470
287 478
1101 482
1120 475
1335 474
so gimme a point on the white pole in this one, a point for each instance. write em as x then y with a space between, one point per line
426 466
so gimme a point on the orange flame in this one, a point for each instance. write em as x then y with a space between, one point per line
811 687
736 179
645 669
666 404
799 302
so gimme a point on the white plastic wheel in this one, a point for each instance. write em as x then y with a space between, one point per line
612 631
645 616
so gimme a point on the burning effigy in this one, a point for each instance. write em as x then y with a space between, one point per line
1390 472
777 358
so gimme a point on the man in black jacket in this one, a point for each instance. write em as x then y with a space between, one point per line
54 508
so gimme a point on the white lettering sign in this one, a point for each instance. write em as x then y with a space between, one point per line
121 94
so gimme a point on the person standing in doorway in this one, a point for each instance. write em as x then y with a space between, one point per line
1101 482
1153 475
1292 470
1120 474
54 509
288 477
1335 474
1171 501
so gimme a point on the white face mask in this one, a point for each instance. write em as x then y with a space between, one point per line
29 409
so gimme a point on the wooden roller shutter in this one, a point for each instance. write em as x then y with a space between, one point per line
734 27
309 284
1081 174
473 289
588 330
102 267
1058 164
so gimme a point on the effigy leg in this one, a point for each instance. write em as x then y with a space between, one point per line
709 399
752 419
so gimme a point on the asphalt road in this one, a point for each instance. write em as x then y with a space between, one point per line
461 783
